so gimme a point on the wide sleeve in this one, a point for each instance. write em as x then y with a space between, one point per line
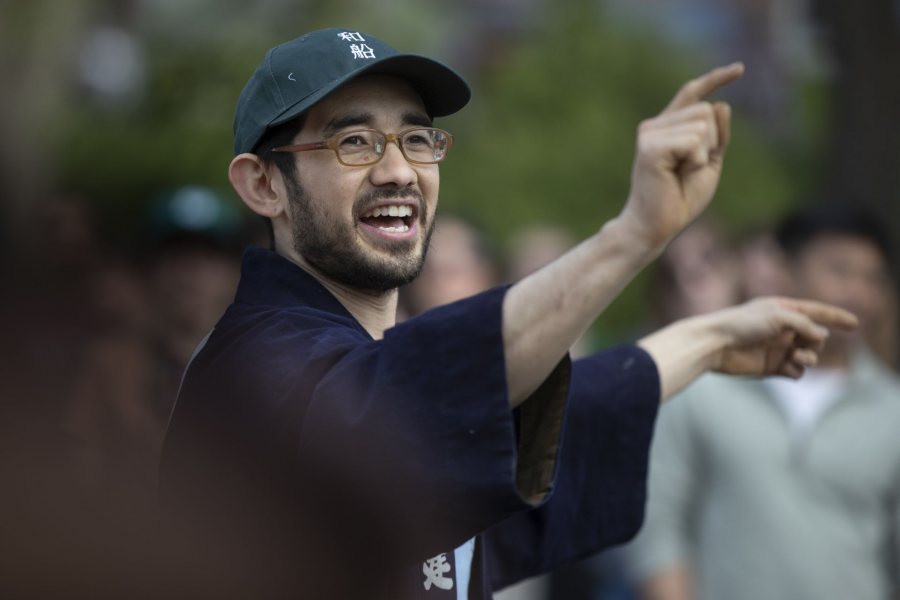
407 438
600 490
675 488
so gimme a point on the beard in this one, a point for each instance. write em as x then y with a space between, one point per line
331 245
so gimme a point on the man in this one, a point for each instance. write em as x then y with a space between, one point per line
780 488
327 452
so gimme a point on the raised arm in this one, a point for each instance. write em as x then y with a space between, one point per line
676 170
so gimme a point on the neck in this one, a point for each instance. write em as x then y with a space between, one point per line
375 311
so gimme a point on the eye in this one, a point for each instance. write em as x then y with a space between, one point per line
354 139
418 139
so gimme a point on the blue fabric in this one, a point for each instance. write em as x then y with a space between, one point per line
304 448
600 491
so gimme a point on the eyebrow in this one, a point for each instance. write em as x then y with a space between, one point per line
415 118
338 123
366 118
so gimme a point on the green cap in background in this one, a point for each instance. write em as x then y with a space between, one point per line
196 214
297 74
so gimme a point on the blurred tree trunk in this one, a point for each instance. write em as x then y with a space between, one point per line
863 163
38 39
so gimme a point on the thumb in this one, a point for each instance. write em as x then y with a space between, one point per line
722 112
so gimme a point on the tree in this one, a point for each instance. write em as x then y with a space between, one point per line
862 161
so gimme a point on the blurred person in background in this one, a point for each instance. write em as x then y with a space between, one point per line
780 488
46 308
698 273
883 329
48 514
765 271
764 268
535 247
47 315
154 316
459 264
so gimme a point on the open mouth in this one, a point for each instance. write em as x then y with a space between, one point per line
390 218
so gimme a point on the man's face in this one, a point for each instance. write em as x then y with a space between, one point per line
332 207
845 270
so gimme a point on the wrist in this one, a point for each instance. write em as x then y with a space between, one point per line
685 350
634 237
711 338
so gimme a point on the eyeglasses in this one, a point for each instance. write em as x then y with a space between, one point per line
420 145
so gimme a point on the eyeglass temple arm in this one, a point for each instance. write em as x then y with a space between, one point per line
302 147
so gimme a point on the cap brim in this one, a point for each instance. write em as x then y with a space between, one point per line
442 90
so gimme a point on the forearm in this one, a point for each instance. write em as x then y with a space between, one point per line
684 350
545 313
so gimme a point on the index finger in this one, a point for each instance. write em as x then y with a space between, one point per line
823 314
697 89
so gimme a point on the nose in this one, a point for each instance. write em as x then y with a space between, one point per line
393 168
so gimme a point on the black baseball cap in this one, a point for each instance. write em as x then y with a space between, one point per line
295 75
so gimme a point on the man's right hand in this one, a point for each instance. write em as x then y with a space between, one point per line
678 161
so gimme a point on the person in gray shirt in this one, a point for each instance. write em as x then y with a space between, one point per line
785 489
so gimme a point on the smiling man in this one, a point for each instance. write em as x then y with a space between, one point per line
320 450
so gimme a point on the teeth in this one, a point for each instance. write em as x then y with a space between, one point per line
395 210
401 229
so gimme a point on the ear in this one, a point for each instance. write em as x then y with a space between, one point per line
260 188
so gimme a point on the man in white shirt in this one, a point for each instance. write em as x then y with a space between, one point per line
778 488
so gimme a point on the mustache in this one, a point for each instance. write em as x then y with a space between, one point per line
391 193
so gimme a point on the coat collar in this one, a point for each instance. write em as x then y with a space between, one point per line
269 279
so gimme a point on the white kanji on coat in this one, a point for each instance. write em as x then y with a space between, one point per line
434 570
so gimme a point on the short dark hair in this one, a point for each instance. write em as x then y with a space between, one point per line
841 218
279 135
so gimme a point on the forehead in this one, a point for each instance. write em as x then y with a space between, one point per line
384 97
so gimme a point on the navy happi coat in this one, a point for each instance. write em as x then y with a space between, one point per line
313 461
